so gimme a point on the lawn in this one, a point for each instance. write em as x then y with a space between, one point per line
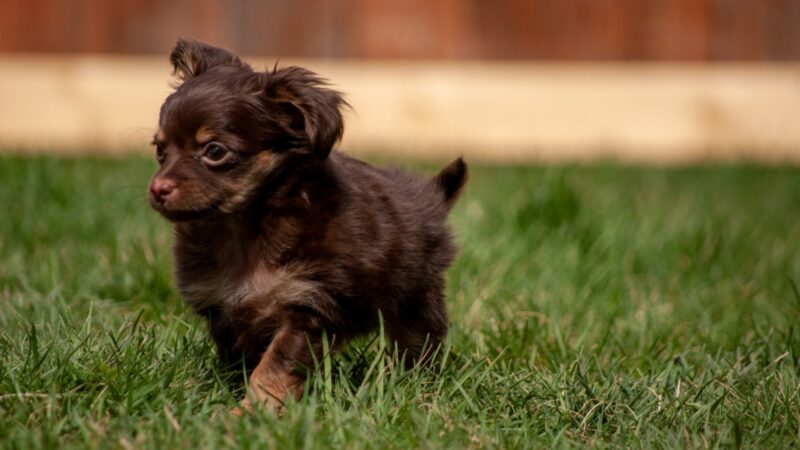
604 306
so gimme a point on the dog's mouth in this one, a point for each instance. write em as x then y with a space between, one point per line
183 214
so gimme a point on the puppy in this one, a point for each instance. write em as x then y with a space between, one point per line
278 239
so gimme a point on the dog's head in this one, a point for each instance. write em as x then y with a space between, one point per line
227 128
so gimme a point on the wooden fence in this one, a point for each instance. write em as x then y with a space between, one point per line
501 29
496 111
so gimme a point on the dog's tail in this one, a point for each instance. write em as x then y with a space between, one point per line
451 180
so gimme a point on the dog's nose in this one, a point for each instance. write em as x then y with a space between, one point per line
162 187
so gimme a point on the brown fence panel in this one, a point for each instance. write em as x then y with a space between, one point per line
515 29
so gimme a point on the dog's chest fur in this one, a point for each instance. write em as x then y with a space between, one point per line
220 269
226 286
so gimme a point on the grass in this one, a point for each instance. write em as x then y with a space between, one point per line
604 306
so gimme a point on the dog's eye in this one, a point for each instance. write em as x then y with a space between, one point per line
215 154
161 153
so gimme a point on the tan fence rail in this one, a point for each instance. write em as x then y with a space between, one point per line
496 111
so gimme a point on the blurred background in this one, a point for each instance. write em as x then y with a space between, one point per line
657 81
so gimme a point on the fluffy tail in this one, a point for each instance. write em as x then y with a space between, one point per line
451 180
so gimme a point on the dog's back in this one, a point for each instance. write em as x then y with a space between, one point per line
387 246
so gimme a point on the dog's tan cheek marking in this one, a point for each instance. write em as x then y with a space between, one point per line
264 160
262 164
160 135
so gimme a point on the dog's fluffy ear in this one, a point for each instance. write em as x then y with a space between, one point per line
313 116
191 58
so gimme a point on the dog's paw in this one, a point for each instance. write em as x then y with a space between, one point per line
245 407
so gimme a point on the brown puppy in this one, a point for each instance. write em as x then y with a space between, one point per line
277 238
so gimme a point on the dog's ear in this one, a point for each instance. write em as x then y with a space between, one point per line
312 116
191 58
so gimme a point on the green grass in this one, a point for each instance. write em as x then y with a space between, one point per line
602 306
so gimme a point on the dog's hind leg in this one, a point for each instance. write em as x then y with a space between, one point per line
420 330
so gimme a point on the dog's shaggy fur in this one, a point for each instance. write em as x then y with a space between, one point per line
279 239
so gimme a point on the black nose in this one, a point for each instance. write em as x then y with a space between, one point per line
162 187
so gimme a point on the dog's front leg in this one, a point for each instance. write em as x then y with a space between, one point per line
281 372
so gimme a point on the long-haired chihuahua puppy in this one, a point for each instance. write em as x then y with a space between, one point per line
280 240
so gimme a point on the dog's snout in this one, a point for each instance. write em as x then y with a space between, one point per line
162 187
